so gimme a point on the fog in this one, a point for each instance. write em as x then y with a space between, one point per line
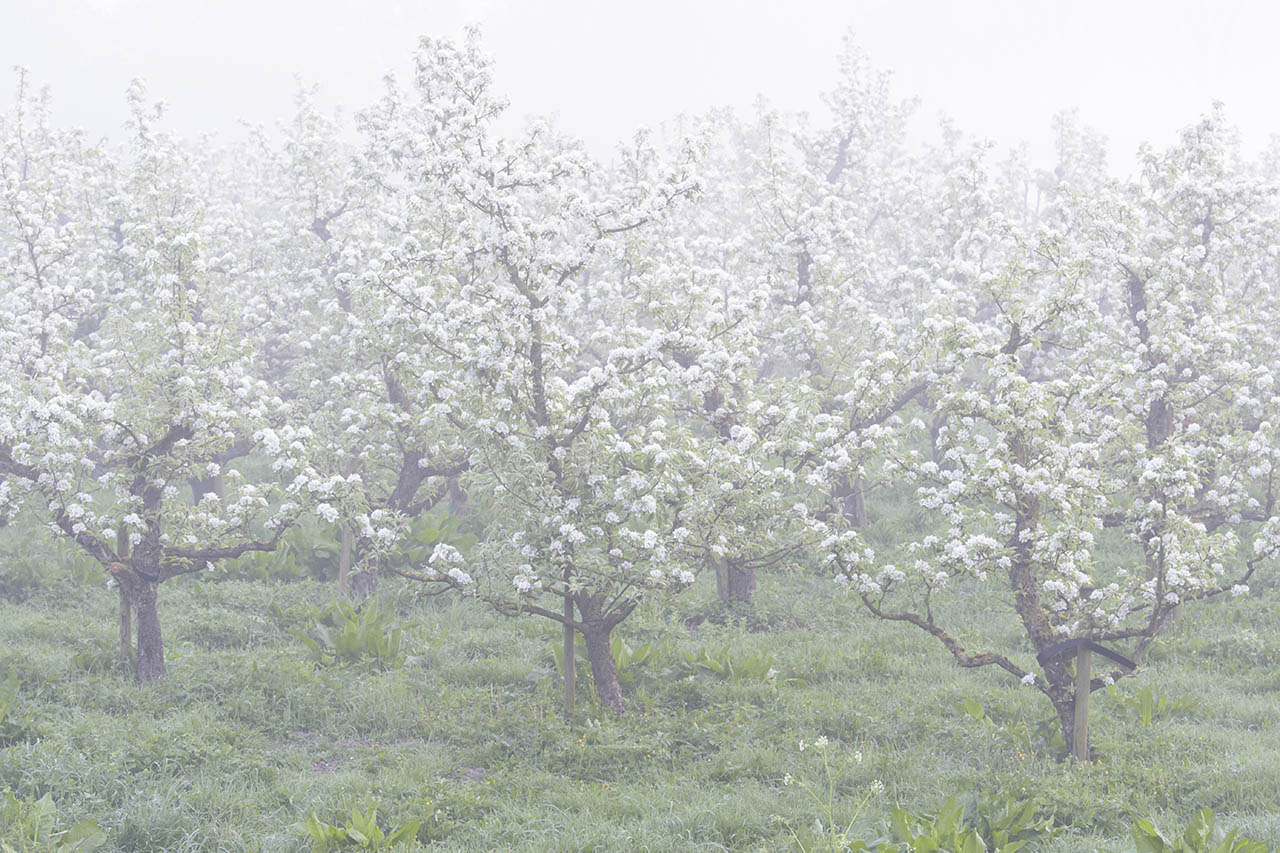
1136 71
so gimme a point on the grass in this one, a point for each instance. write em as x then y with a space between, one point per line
247 736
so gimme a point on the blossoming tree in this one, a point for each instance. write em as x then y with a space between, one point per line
126 364
512 271
1063 429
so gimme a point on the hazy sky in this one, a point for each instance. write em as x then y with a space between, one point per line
1135 70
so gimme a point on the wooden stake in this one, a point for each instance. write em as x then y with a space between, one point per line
570 664
1080 729
126 613
344 558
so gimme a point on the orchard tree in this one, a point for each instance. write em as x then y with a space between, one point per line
509 269
1047 450
126 366
370 392
1185 272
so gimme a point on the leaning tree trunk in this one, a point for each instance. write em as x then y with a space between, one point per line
150 665
603 671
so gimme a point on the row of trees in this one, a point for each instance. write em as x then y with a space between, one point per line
709 354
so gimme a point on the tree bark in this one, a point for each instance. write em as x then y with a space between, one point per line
150 665
734 582
1066 708
851 501
603 671
741 582
201 486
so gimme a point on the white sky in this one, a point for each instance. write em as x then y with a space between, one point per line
1001 68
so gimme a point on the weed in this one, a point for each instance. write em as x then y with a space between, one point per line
347 634
361 831
32 825
1196 838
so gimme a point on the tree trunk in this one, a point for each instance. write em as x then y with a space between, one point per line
150 665
603 671
734 582
201 486
852 501
1066 708
741 582
457 496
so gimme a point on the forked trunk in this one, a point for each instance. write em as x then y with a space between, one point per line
603 671
150 664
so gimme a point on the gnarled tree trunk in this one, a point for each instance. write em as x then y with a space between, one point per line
603 671
1066 709
150 665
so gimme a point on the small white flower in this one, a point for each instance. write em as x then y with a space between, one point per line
1029 679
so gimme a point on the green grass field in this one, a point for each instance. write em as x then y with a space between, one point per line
249 735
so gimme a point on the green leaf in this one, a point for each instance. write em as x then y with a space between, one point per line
407 832
1147 838
898 824
1200 831
83 837
973 843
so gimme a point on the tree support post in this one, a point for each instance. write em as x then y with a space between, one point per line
126 612
1084 678
1083 648
570 664
344 559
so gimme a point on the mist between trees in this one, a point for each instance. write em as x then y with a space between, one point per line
709 354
